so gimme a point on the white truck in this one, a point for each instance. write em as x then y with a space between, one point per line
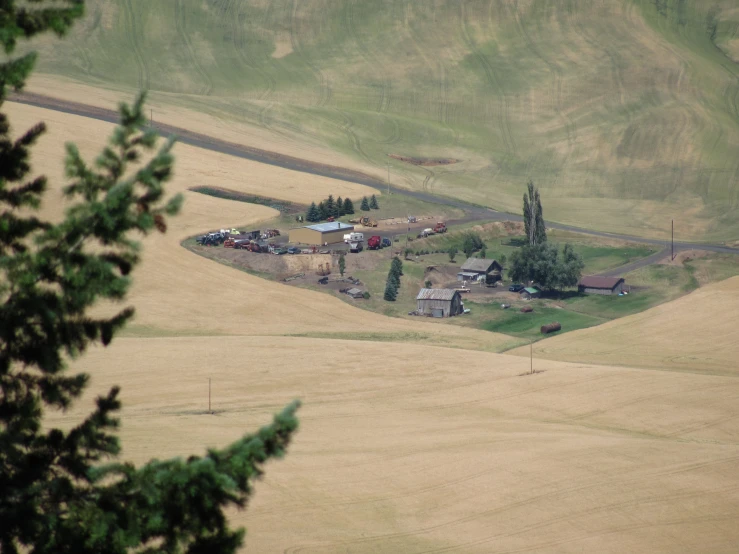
354 237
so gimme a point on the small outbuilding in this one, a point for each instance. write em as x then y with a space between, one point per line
593 284
355 293
479 268
530 292
439 302
320 233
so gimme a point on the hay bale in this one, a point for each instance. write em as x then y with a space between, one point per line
550 327
527 309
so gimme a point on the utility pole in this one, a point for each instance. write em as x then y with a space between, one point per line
388 178
209 411
531 348
151 117
673 240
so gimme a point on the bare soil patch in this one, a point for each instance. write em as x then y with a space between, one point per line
426 162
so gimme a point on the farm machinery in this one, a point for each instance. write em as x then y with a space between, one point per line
366 221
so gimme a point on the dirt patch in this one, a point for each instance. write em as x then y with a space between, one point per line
427 162
684 256
501 229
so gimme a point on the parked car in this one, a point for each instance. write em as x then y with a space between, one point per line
517 287
293 250
386 242
279 251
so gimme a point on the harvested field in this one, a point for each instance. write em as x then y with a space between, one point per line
696 333
409 453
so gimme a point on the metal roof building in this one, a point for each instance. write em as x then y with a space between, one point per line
321 233
594 284
439 302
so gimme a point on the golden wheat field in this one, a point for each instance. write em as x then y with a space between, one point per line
698 333
405 448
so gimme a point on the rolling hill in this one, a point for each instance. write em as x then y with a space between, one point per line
625 113
403 447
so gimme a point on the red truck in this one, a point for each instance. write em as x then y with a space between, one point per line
440 227
374 242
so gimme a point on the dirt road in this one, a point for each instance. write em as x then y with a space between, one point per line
473 213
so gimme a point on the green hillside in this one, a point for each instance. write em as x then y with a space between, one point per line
625 113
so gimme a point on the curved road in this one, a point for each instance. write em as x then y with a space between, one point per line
473 212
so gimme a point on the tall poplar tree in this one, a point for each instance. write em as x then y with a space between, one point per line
533 216
64 490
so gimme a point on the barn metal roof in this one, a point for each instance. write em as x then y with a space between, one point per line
477 264
436 294
354 291
597 282
530 290
330 226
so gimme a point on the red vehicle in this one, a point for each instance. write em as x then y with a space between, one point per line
440 227
374 242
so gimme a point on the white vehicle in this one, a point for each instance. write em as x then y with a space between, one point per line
354 237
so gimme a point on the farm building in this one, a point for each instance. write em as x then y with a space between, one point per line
530 292
479 268
439 302
592 284
320 233
355 293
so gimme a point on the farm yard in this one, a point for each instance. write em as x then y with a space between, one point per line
492 431
428 262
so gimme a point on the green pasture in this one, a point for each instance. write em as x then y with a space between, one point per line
624 113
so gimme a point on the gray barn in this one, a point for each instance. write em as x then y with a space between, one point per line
593 284
475 268
439 302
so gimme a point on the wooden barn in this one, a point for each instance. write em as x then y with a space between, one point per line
593 284
479 268
439 302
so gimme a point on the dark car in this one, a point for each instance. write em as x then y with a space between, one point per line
516 288
386 242
293 250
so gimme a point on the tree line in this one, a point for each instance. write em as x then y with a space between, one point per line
393 280
336 208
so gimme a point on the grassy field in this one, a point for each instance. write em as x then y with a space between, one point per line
413 447
624 113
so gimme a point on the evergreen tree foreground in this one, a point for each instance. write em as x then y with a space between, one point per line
64 491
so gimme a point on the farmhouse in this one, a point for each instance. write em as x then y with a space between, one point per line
320 233
530 292
479 268
439 302
592 284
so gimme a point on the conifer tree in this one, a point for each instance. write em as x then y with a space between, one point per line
342 264
396 266
322 212
391 291
56 495
331 207
373 203
340 207
313 214
364 206
348 207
